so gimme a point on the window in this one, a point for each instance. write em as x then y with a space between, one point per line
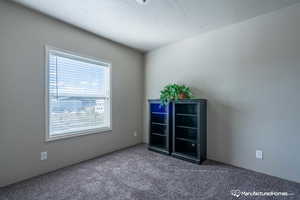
78 95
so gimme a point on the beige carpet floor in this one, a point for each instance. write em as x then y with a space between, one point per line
138 174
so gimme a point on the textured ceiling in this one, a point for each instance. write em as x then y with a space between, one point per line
159 22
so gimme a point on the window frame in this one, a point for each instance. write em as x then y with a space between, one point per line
85 58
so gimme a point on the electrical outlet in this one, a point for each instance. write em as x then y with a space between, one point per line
134 133
259 154
44 156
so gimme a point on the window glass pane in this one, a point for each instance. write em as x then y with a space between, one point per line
78 95
76 114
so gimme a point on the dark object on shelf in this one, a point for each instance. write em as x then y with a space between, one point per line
184 132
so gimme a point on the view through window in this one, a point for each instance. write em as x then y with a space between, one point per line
78 94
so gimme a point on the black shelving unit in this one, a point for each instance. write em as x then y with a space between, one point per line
179 129
189 130
160 127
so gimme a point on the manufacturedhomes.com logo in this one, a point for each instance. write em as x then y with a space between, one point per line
238 193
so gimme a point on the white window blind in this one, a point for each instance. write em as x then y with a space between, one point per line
78 94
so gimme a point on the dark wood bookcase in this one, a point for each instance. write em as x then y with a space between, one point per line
183 124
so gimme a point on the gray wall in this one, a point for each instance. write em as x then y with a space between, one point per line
249 72
23 34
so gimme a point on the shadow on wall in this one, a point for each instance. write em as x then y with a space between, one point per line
220 126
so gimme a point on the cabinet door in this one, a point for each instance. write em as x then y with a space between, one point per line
159 126
186 129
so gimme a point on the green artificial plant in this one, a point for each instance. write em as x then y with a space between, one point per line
173 92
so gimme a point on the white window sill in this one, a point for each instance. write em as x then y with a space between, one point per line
77 134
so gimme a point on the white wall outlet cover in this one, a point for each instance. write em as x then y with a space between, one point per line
134 133
44 155
259 154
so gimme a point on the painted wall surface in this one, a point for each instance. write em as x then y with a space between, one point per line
23 34
249 72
